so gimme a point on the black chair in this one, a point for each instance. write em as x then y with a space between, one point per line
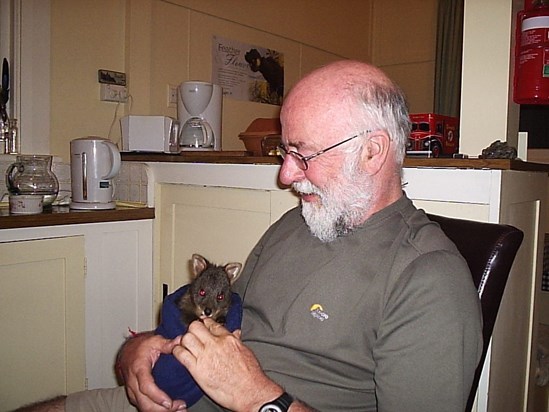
489 250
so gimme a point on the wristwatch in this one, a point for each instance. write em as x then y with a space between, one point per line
280 404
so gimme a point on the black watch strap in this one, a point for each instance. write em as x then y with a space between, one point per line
280 404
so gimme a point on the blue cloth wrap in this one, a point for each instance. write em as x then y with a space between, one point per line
172 377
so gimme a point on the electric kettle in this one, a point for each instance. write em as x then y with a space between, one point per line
95 161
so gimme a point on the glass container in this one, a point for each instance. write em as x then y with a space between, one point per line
32 175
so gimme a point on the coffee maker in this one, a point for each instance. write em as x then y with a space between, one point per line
95 161
199 107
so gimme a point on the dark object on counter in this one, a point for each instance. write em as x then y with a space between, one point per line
499 150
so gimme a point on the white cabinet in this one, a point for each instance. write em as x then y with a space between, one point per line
221 210
41 319
499 196
118 286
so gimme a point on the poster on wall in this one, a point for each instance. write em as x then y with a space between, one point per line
248 72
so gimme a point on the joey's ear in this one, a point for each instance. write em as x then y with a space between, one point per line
199 264
233 271
375 151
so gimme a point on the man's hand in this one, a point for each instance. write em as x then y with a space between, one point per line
136 360
224 367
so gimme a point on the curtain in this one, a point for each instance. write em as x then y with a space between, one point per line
448 57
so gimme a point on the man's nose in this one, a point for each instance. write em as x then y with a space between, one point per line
289 172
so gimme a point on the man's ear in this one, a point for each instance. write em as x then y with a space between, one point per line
375 152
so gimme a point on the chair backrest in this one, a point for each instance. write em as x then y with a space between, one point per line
489 250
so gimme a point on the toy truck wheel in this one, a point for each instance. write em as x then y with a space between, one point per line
436 149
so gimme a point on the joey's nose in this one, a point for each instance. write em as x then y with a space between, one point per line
208 312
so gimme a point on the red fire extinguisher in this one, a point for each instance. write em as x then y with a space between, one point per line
531 80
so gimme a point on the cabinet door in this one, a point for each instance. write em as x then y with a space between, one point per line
119 293
222 224
41 319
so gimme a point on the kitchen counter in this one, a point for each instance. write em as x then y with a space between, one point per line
243 157
201 167
227 157
63 215
241 170
475 163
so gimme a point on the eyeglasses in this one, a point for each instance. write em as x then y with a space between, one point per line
302 161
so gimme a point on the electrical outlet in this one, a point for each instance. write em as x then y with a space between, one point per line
172 95
113 93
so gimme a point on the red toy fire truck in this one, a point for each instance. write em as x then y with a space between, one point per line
433 135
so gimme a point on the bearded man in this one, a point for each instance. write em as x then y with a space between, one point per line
353 301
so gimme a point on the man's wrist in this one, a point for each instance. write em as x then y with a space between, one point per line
269 391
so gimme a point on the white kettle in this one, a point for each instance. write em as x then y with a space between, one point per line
95 161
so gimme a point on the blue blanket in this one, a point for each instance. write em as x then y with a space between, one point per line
172 377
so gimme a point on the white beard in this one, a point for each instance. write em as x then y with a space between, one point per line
341 207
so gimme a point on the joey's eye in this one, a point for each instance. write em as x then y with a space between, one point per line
202 292
221 296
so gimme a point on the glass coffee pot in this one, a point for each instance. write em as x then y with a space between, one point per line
32 175
196 133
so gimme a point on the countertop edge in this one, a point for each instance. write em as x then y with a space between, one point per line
62 215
